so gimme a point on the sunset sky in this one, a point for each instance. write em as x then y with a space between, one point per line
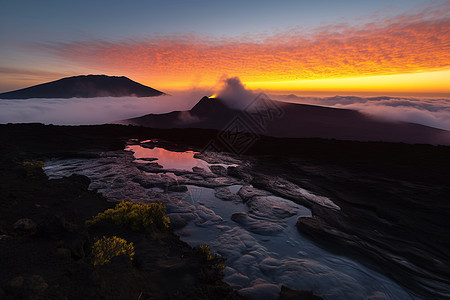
395 47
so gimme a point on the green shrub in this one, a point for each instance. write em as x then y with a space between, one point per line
33 167
107 248
137 216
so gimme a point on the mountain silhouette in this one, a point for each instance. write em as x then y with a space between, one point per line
291 120
84 86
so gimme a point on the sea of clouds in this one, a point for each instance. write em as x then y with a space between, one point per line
90 111
76 111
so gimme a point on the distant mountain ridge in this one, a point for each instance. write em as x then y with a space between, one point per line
298 121
84 86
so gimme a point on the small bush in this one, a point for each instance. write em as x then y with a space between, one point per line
137 216
33 167
206 250
219 267
107 248
216 261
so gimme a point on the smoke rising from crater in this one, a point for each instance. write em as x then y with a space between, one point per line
234 93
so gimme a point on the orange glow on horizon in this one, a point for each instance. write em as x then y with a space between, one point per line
427 84
419 83
404 53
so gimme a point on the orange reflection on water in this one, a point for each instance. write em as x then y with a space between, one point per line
169 159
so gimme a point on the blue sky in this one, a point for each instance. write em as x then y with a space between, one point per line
68 20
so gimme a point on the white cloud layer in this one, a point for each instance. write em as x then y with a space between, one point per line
77 111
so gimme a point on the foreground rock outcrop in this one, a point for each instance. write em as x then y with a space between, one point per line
45 245
394 221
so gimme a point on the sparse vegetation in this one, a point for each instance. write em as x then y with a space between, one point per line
137 216
206 250
216 261
33 167
219 267
107 248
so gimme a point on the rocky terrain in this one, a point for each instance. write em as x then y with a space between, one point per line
209 202
382 204
45 244
397 226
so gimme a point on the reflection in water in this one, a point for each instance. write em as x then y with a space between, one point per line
169 159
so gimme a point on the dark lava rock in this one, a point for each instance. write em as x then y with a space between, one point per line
14 284
26 287
255 225
238 172
148 158
63 253
218 170
149 167
144 181
394 206
225 194
177 188
25 225
198 170
289 294
35 284
179 220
